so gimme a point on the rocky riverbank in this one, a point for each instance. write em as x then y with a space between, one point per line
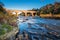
9 35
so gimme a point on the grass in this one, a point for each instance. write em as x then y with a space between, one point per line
5 28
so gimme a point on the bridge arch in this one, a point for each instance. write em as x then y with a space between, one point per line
22 14
35 14
29 14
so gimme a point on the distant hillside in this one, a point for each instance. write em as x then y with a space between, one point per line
51 8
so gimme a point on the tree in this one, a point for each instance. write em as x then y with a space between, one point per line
2 12
56 8
1 6
34 9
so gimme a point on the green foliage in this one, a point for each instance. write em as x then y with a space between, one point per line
2 13
8 27
1 7
5 19
2 31
5 28
34 9
50 8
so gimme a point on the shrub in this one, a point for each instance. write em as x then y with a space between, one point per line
2 31
8 27
5 28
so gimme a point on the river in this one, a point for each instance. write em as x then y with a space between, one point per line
38 25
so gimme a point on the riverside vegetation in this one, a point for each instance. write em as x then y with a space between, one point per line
6 21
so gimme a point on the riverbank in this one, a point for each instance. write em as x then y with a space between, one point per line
50 16
56 18
9 35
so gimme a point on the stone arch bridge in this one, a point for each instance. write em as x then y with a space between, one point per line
25 12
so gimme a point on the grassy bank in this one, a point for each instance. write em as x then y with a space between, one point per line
50 16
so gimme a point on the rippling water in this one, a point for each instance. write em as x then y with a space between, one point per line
36 21
36 25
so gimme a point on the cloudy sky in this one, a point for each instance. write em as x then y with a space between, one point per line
26 4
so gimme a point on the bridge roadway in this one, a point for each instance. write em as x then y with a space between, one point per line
39 28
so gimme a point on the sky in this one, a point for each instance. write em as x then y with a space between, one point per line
26 4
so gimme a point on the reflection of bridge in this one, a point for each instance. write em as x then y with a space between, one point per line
23 12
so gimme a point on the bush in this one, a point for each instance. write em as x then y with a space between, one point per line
2 31
5 28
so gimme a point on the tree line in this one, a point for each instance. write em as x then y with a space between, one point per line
49 8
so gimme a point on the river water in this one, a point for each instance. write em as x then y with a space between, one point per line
38 25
